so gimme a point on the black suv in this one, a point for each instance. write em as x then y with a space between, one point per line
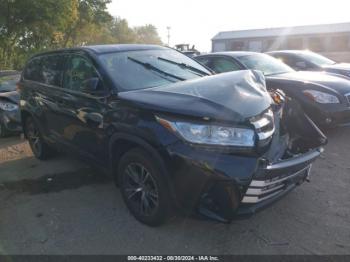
170 133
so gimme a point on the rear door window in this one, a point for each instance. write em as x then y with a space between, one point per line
47 69
52 69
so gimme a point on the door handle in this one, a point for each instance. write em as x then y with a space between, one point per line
92 119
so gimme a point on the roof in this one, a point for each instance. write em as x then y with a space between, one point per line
296 52
99 49
102 49
231 53
273 32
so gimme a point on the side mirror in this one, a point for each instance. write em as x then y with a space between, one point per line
90 85
300 65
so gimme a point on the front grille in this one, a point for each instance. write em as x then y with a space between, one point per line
264 125
260 190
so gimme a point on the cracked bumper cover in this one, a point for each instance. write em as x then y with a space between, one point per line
222 186
275 180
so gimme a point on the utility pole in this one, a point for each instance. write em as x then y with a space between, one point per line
168 28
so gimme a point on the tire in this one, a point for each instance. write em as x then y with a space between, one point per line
143 187
40 148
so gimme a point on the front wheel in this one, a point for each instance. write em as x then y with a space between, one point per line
143 187
40 148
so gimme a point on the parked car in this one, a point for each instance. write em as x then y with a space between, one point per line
168 132
324 97
301 60
10 122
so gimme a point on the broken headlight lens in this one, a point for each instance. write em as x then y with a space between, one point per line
321 97
8 106
210 134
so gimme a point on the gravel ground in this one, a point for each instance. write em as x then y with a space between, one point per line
63 206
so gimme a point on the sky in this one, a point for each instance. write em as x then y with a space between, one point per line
195 22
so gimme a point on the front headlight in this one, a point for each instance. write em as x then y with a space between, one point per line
321 97
8 106
210 134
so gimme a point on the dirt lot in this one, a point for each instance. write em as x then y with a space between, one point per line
65 207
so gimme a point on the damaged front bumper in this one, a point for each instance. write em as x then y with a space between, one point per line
222 185
275 180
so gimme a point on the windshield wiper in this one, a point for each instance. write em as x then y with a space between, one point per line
154 68
183 65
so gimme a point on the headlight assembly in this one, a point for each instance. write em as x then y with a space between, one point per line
321 97
6 106
210 134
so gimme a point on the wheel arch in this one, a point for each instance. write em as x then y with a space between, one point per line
120 143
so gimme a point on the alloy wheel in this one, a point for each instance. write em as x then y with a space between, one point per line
141 189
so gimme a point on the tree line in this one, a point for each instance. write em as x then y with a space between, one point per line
28 27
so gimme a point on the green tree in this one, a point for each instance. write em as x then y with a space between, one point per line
147 35
121 31
89 13
28 27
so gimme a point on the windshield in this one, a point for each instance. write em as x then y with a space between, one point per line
265 63
149 68
317 59
8 83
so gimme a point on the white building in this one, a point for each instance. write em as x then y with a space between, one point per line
332 40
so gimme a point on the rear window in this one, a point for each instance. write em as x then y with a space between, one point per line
46 69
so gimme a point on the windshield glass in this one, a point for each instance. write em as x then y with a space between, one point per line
149 68
8 83
317 59
265 63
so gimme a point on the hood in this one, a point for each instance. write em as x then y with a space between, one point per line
12 96
322 79
340 66
233 96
